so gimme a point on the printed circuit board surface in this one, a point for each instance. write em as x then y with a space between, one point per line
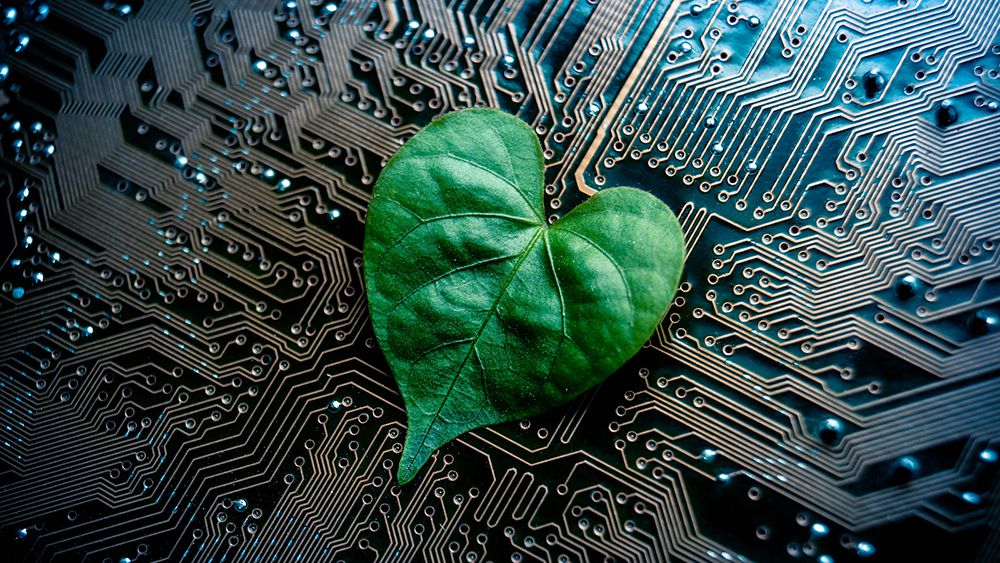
187 367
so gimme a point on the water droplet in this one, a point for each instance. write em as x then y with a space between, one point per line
946 114
711 123
906 469
971 498
983 322
830 430
753 21
872 82
240 504
906 287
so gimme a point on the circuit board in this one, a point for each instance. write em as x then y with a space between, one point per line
187 366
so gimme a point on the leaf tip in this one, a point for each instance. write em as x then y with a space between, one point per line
405 474
414 456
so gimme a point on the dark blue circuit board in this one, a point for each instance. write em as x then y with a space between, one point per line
187 367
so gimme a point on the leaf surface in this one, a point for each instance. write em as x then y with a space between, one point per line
485 312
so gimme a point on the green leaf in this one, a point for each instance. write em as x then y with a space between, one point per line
485 312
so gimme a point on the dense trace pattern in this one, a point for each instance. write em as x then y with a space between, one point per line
187 369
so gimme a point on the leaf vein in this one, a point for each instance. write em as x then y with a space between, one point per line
532 206
618 268
450 272
432 220
492 311
562 305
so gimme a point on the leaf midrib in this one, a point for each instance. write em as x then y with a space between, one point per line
542 232
475 340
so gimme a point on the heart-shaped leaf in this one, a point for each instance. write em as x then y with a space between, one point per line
484 311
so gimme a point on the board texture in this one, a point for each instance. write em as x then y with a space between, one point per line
187 367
